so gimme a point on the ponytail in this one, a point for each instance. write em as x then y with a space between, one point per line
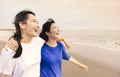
17 37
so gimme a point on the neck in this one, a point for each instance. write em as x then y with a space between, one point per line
52 42
26 39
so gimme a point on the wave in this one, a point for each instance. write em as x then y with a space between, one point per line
106 44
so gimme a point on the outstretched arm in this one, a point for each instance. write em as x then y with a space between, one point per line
74 61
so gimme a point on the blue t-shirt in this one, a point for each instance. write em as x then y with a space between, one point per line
51 60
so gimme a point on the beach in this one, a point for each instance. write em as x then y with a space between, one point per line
1 44
101 62
99 50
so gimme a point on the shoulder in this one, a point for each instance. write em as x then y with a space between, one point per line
38 39
60 44
39 42
7 61
7 51
6 55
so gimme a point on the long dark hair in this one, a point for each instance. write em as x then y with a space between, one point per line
20 17
46 28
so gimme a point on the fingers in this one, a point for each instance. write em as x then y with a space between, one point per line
67 45
6 47
85 67
12 44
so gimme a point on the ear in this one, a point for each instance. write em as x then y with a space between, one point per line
22 25
47 33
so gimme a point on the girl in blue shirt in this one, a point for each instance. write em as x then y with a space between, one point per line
53 52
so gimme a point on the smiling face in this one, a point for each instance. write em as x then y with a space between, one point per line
54 32
31 27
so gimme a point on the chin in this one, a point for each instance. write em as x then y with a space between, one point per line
35 35
56 38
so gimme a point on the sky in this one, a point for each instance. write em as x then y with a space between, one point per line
84 14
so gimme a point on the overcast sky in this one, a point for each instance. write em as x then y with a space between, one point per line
67 13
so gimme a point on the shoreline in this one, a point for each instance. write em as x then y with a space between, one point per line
99 54
96 68
94 58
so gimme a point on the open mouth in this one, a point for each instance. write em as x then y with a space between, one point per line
36 30
57 33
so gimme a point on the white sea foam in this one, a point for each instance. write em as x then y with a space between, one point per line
108 39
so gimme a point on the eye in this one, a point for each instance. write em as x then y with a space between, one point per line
34 21
37 22
56 27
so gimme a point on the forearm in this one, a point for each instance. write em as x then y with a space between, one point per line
84 67
5 75
74 61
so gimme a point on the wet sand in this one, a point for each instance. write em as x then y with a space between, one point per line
101 64
97 66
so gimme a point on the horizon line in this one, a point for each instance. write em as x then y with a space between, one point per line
75 28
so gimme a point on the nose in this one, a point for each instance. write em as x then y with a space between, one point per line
37 26
58 29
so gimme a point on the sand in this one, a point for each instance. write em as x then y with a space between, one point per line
97 67
99 64
1 45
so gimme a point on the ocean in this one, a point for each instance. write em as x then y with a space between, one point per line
109 39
